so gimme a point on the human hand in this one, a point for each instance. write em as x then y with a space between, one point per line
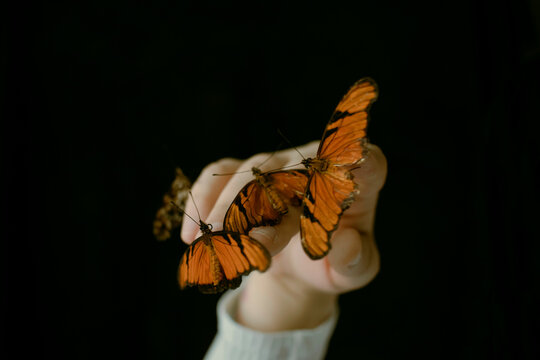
296 292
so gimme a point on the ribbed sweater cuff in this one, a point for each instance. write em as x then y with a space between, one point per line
234 341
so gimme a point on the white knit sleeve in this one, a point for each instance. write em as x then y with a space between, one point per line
234 341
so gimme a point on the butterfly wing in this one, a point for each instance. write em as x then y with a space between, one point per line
344 139
327 196
290 184
168 217
240 254
251 208
264 203
330 190
196 266
216 262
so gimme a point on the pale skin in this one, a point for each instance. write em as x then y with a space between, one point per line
296 292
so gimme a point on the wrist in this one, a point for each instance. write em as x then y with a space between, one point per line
271 303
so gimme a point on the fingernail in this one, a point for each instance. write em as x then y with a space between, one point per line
355 261
266 234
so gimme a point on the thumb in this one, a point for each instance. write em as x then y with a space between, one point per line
354 259
369 177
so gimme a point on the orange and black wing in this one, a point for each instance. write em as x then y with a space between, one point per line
216 262
252 207
264 205
331 191
240 254
344 139
289 184
199 267
327 196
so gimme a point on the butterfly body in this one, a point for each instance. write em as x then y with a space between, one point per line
266 182
215 266
316 164
330 189
217 260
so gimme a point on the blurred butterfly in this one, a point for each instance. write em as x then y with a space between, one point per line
168 217
264 200
330 189
216 261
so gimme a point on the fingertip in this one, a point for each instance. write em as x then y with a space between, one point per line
354 257
346 250
371 174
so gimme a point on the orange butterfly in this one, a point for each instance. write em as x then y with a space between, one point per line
217 260
264 200
330 189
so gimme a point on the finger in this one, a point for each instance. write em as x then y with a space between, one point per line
219 196
370 178
205 192
354 260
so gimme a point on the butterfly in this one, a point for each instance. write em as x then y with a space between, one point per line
330 189
264 200
216 261
168 217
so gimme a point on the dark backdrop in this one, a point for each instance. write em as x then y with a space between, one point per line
104 99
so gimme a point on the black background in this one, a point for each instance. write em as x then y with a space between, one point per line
104 99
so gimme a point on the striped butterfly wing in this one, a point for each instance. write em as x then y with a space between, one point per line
240 254
216 261
290 185
195 265
263 203
252 207
327 196
331 190
344 139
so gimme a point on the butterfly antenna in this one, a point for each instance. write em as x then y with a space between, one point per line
196 208
289 166
234 173
183 212
272 154
290 144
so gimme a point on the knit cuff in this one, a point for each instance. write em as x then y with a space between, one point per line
234 341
